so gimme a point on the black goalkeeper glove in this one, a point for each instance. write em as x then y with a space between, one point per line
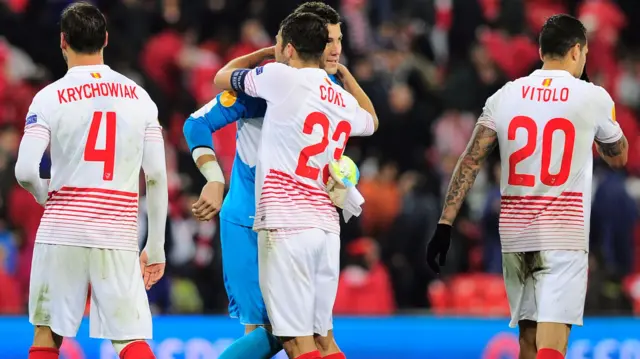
438 247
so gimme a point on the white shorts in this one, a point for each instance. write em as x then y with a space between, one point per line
60 277
546 286
299 273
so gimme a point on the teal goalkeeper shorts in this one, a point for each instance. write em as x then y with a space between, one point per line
240 269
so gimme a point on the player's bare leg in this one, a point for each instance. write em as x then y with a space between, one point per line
300 347
328 347
528 348
46 344
552 340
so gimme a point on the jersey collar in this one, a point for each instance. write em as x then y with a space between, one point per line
551 73
89 68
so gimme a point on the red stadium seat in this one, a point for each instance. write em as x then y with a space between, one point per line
495 295
631 285
438 295
465 294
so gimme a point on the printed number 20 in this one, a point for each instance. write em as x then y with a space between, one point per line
108 155
556 124
318 118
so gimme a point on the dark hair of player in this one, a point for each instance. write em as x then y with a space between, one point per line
321 9
84 27
307 33
559 34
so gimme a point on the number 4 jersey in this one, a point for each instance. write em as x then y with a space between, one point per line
307 124
546 125
100 127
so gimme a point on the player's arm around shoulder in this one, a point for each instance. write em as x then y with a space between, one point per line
351 85
236 70
611 143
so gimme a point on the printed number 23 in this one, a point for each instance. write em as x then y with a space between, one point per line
108 155
556 124
318 118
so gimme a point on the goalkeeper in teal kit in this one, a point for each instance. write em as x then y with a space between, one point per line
239 241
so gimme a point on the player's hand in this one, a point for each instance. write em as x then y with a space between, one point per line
337 192
151 273
210 201
438 247
342 72
336 188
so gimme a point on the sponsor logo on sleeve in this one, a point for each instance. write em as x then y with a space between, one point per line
31 119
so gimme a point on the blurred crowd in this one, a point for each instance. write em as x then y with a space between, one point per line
428 66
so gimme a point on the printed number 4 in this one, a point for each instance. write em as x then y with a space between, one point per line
318 118
556 124
108 155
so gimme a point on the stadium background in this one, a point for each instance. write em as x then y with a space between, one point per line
428 66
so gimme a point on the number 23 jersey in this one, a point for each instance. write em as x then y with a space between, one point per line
307 124
98 123
546 125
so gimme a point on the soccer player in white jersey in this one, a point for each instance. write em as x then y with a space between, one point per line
102 128
545 125
306 125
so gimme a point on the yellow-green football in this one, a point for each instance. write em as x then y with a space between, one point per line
346 170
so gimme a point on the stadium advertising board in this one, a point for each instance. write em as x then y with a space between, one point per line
199 337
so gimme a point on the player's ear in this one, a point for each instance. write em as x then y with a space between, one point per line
63 41
106 40
289 50
540 53
576 52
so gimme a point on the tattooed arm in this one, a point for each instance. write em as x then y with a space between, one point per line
482 143
615 153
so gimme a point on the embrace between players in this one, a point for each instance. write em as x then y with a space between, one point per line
102 129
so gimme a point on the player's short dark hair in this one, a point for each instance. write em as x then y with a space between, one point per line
560 33
307 33
84 27
321 9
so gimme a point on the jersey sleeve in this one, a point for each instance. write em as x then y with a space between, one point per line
487 118
155 171
225 108
153 129
36 124
37 134
362 125
272 81
607 128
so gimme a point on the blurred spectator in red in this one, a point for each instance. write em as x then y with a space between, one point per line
382 200
364 286
253 37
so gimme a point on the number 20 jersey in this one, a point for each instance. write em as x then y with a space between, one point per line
307 124
97 122
546 125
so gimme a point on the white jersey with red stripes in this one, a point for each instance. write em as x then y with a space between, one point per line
546 125
307 124
97 121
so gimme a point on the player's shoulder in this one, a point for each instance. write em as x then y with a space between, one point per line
596 93
250 106
141 93
502 92
115 76
274 69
